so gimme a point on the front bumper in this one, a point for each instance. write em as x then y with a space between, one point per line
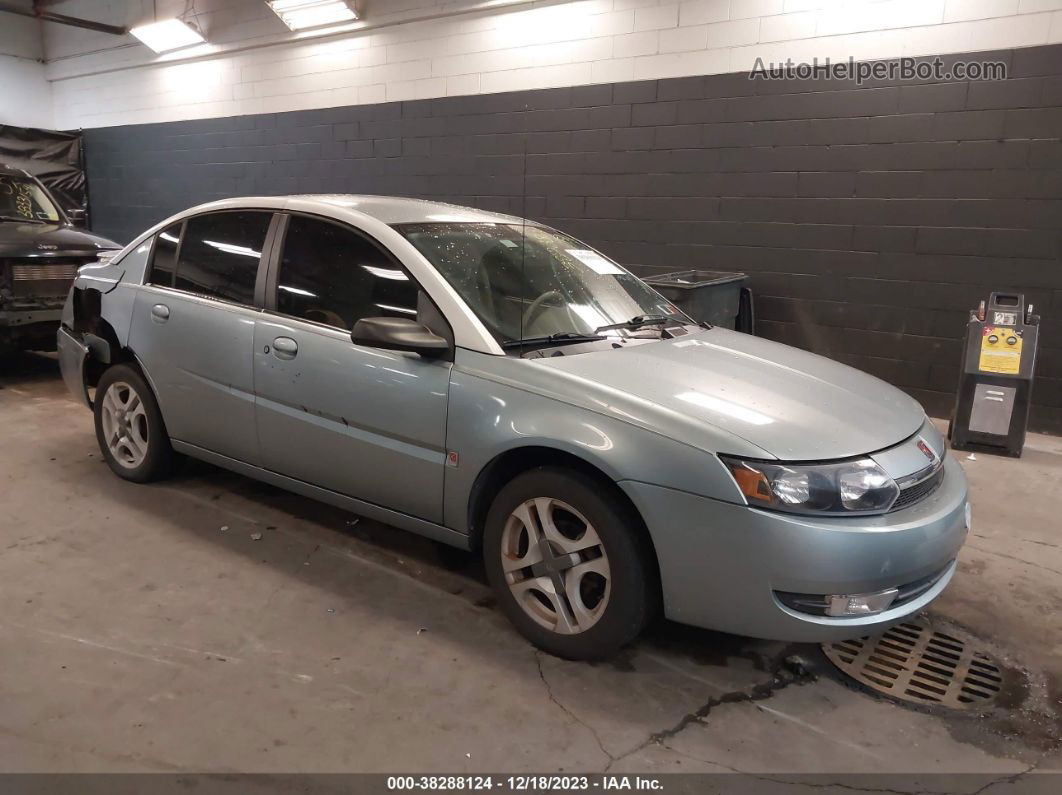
722 565
11 318
29 329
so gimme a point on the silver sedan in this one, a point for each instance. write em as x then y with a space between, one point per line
497 385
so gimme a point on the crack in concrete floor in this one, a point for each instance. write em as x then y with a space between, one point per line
575 718
790 782
781 678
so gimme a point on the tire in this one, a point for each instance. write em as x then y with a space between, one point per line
125 409
614 592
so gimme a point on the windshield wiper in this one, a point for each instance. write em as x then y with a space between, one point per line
559 337
21 218
635 322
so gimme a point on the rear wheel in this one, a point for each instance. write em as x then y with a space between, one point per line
568 563
129 426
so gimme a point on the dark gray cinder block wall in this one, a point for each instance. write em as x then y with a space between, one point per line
870 219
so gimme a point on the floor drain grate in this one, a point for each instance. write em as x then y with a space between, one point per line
917 663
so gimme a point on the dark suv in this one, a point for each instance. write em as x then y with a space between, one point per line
40 252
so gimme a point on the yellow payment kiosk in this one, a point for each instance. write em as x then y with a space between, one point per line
995 386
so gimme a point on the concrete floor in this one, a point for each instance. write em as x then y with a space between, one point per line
144 630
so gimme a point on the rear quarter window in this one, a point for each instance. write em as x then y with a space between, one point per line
219 254
164 257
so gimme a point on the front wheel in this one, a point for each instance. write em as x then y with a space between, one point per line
569 563
129 426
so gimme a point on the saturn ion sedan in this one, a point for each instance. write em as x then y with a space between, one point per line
497 385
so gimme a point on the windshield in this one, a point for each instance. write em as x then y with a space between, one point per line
22 198
528 282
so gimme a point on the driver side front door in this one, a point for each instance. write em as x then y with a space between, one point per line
361 421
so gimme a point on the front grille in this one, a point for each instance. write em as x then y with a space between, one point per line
43 277
31 273
917 492
816 604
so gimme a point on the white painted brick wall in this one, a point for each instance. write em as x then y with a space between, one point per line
25 94
253 65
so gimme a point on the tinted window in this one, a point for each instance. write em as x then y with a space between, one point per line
220 254
164 260
331 275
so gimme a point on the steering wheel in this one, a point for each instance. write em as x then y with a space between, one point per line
537 304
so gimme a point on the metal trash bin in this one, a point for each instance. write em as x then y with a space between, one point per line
718 297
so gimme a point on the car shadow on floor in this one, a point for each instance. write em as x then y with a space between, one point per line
461 573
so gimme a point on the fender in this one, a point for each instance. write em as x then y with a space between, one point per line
487 418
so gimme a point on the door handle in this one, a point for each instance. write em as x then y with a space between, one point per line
160 313
285 348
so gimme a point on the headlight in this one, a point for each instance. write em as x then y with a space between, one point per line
845 487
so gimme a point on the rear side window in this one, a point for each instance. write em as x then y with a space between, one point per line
220 253
332 275
164 260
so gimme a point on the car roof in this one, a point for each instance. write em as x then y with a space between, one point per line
400 210
11 171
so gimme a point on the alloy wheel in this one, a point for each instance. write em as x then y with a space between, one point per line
555 565
125 424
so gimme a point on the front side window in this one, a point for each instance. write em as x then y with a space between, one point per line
219 254
164 258
528 282
22 199
332 275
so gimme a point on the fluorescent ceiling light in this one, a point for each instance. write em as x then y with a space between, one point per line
301 14
296 291
390 308
386 273
231 248
725 407
170 34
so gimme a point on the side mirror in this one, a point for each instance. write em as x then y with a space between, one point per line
76 216
398 334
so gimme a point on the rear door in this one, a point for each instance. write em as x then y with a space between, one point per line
361 421
193 328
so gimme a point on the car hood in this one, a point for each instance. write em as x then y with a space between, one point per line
49 240
792 404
